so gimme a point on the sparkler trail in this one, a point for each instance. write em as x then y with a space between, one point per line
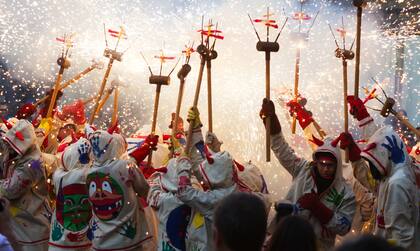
29 51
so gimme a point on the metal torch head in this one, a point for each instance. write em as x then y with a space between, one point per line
345 54
183 72
359 3
268 46
212 54
159 80
202 49
113 54
65 62
387 108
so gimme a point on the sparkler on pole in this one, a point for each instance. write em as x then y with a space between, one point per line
267 47
207 53
64 63
215 33
158 80
345 55
182 74
359 4
112 55
387 108
95 65
301 38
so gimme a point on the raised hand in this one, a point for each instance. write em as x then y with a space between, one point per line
194 117
268 111
357 108
397 152
84 152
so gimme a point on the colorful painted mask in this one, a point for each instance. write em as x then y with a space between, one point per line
73 207
106 195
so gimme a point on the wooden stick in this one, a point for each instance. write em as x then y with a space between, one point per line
296 90
69 82
154 120
101 90
42 100
56 89
406 123
195 102
115 112
267 119
209 96
77 77
104 99
178 106
346 114
358 36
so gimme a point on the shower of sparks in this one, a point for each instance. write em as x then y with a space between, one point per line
28 54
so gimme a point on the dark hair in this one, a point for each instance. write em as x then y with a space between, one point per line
293 233
368 243
241 222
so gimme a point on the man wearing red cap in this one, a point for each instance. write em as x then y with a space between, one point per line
319 192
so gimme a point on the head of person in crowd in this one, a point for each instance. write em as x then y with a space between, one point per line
293 233
65 131
327 163
240 223
368 243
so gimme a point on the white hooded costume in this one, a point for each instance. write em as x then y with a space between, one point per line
397 202
114 186
218 176
338 196
23 183
71 218
180 226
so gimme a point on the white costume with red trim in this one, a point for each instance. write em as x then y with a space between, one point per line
397 202
180 226
115 185
71 218
338 196
23 183
250 179
218 176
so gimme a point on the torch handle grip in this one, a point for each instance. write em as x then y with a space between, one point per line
101 90
196 96
358 38
268 119
296 87
209 96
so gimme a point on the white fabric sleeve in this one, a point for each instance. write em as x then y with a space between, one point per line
286 155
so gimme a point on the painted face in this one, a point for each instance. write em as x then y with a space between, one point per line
106 195
73 207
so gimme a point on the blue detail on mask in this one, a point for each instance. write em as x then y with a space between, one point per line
397 153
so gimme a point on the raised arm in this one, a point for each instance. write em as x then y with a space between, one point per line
283 152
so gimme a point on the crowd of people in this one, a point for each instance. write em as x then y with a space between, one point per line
66 185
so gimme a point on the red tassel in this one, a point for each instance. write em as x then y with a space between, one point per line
369 147
334 143
8 125
316 141
19 135
240 167
208 155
